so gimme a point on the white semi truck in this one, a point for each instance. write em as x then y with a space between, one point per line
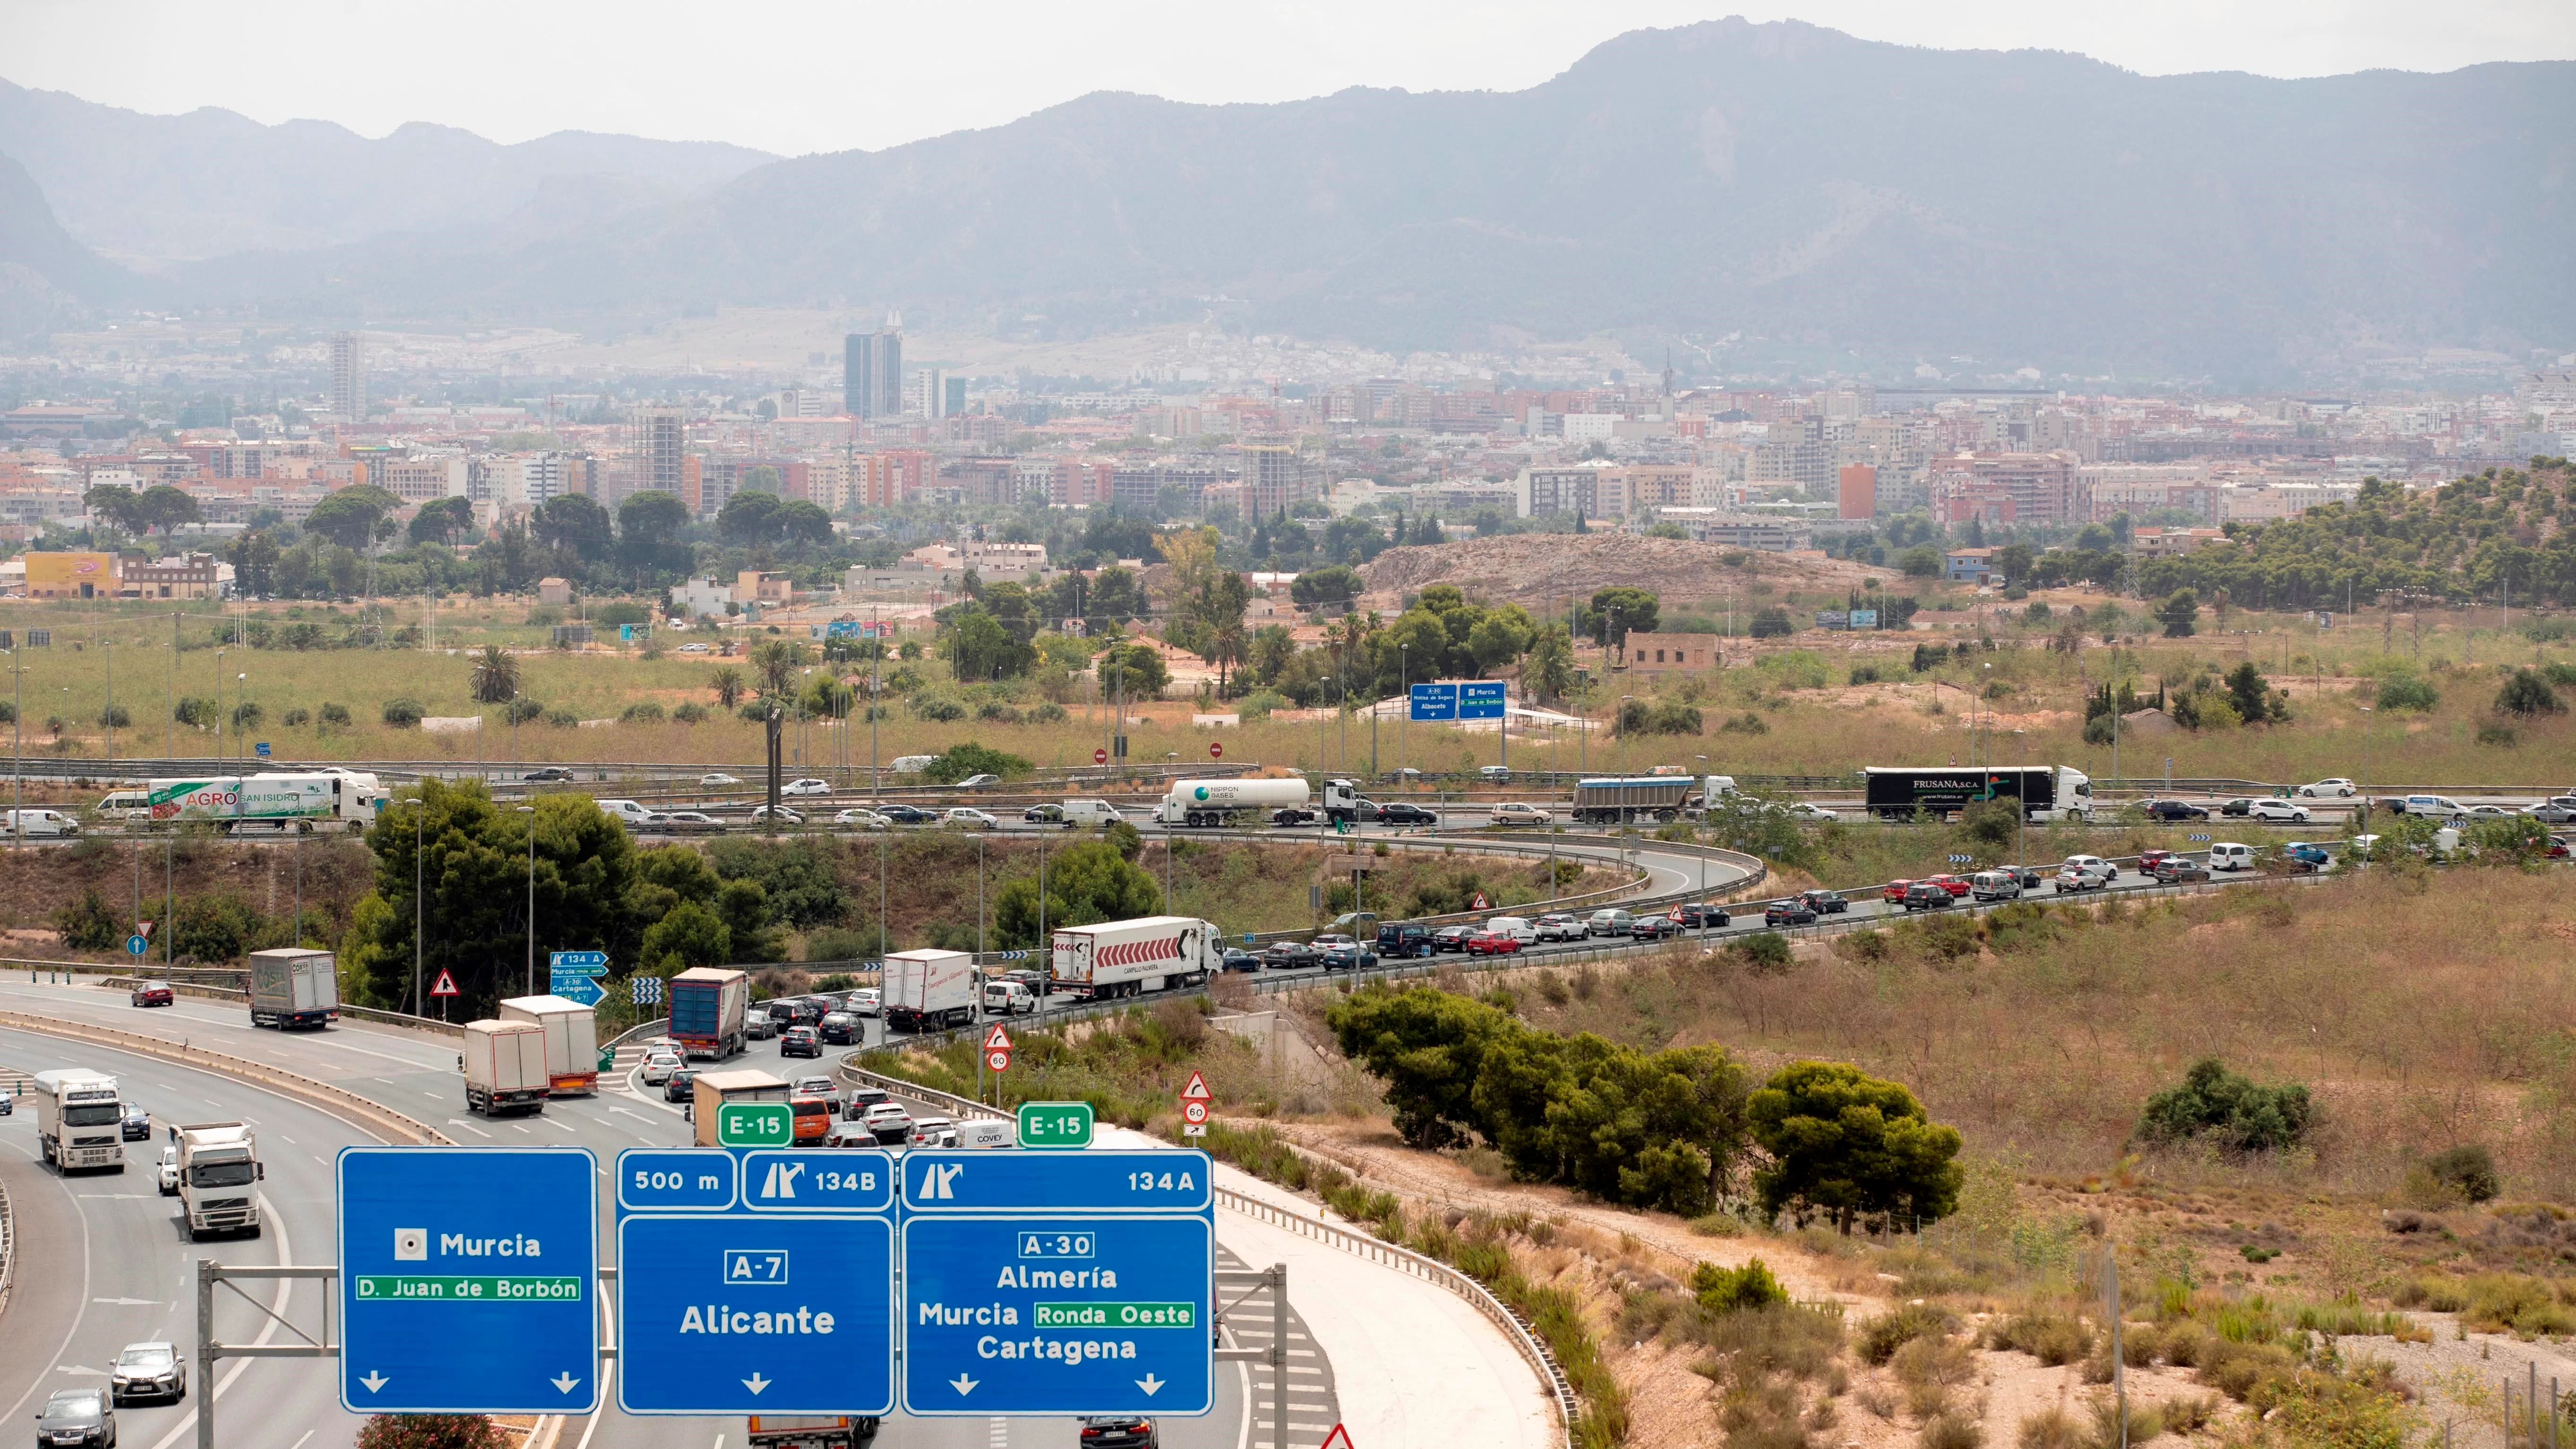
1125 958
80 1123
279 802
928 990
572 1041
219 1175
1240 802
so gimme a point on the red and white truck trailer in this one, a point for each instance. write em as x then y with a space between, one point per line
1125 958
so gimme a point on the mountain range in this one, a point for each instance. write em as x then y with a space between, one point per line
1777 180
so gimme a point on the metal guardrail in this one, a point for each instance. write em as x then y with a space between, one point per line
8 1246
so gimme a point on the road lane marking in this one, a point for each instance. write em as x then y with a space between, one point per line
285 1250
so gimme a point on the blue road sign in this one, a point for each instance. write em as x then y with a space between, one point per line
1434 701
579 963
262 747
771 1288
582 989
646 990
1481 699
468 1281
1063 1283
136 945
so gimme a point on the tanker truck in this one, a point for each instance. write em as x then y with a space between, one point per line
1240 802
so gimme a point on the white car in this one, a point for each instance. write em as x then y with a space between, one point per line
1495 772
2488 812
2093 877
866 1001
933 1132
967 817
717 781
169 1172
697 648
2337 788
979 782
863 819
1808 810
1008 998
785 816
1520 812
2284 811
658 1067
807 786
817 1087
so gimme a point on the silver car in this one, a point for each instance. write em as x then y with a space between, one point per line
1610 923
148 1371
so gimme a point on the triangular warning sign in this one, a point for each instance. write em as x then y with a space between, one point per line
1480 902
445 985
1340 1436
1197 1090
997 1040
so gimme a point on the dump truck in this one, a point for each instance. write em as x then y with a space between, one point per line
219 1175
505 1067
80 1123
1124 958
707 1006
1623 800
294 990
572 1041
928 990
711 1090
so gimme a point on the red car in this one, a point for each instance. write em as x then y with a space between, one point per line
1493 943
153 993
2148 860
1956 885
1895 892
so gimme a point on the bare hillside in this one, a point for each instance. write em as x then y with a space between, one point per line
1540 570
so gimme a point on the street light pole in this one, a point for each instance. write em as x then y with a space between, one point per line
531 812
2021 825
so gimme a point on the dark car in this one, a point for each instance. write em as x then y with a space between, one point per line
1035 981
1924 895
681 1086
1238 959
81 1416
1825 903
1399 812
1401 939
153 993
1119 1431
1792 912
908 814
2176 869
2173 810
1451 938
1287 955
2242 805
550 775
1654 928
1700 916
839 1028
137 1126
1347 956
1044 815
799 1041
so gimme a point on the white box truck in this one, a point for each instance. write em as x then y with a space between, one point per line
929 990
572 1041
219 1174
293 990
1124 958
505 1067
79 1121
1229 802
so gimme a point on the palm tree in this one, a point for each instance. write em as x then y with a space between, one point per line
727 684
495 676
777 661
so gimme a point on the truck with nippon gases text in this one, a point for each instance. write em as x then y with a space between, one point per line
572 1041
2044 792
505 1067
79 1121
707 1007
1125 958
219 1175
1231 802
928 990
270 802
293 989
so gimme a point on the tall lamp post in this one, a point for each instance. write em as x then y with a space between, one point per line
2362 810
17 747
531 812
2021 821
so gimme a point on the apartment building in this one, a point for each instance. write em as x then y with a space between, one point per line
1650 655
2004 488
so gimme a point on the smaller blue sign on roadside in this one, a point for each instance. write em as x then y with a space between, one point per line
136 945
1434 701
583 990
262 748
578 963
1480 699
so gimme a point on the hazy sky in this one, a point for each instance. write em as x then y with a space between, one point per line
795 77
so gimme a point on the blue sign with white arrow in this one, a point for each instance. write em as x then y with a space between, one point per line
468 1280
1480 699
577 963
582 989
1434 701
763 1282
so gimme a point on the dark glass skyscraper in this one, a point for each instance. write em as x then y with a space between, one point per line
872 374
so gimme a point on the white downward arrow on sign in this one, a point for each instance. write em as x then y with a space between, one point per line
564 1381
755 1383
374 1381
1149 1383
962 1384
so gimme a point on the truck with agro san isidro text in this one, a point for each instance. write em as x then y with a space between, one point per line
80 1123
2044 792
294 989
707 1008
572 1041
219 1176
273 803
1125 958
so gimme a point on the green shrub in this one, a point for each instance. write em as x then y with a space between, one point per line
336 714
296 717
643 711
248 714
1881 1337
970 758
2468 1169
403 713
1735 1290
1765 953
689 713
90 924
520 709
2052 1338
2510 1302
2216 1105
562 719
2406 690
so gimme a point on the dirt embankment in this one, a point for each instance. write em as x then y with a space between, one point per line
1540 571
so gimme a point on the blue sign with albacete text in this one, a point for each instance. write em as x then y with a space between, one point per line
1433 702
1058 1283
468 1280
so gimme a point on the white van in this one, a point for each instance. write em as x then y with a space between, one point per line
629 811
36 824
2228 855
1995 885
912 764
126 805
1090 812
1515 927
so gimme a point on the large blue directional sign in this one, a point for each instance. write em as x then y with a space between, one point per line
577 963
1480 699
582 989
757 1282
468 1280
1062 1283
1434 701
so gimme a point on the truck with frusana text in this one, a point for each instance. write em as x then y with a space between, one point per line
2044 792
270 803
1123 958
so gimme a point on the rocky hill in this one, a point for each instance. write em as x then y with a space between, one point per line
1540 571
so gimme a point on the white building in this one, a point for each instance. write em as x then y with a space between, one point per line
702 598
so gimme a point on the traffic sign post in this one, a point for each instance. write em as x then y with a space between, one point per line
1055 1124
1433 702
445 985
645 990
1196 1100
137 944
1216 749
763 1281
1040 1283
580 989
1480 699
468 1282
1100 756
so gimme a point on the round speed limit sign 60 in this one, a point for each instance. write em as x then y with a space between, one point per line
998 1061
1194 1113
